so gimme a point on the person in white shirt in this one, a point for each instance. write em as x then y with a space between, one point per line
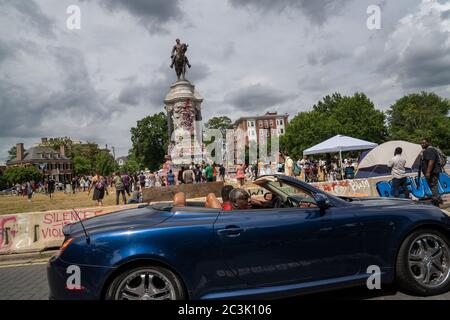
288 166
397 163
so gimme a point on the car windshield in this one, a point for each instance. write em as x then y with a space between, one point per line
290 191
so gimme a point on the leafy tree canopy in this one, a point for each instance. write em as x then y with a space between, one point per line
418 116
15 175
150 141
354 116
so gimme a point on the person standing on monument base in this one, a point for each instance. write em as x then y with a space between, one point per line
431 168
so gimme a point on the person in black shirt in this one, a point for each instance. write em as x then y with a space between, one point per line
430 168
51 187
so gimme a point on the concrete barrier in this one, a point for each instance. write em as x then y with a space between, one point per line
191 191
37 231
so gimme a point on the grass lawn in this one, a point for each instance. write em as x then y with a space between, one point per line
41 202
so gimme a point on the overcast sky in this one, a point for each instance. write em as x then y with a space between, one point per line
247 56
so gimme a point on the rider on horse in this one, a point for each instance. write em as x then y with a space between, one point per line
177 50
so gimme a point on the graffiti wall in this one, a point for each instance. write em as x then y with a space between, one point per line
418 189
36 231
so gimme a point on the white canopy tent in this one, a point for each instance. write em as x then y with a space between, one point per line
339 144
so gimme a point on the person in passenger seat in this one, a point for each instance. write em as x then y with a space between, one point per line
212 202
179 200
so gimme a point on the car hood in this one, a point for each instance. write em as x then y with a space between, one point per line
118 220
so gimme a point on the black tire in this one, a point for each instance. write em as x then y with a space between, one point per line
179 292
404 275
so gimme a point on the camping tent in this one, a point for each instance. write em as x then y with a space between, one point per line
339 144
375 162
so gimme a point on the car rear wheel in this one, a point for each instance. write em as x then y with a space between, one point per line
423 263
146 283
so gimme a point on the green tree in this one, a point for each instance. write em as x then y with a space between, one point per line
3 182
417 116
12 153
131 166
82 165
221 123
150 140
22 174
354 116
105 164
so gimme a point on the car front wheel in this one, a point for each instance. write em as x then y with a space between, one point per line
423 263
146 283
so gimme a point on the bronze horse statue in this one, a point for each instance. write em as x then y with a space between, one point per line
181 61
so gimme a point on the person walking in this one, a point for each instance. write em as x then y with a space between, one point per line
170 178
209 173
29 191
151 179
127 183
222 172
100 187
142 180
240 174
399 179
51 187
431 168
120 188
288 165
188 176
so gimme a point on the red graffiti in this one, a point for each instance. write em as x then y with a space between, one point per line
329 187
53 223
3 222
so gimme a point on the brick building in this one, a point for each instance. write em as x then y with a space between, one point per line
260 129
49 162
274 125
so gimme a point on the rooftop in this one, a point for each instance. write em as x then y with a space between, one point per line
40 153
268 115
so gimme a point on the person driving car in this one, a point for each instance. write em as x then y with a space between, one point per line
240 199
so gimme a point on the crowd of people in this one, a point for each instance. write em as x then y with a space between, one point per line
306 169
128 186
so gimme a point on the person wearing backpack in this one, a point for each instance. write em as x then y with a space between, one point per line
120 188
431 167
100 187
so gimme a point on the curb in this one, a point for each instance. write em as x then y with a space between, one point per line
26 258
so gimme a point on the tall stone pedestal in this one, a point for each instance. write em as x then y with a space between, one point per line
183 106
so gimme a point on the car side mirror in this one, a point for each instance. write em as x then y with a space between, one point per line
322 201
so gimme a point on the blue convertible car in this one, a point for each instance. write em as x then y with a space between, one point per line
302 240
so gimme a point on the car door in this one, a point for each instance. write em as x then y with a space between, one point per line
289 245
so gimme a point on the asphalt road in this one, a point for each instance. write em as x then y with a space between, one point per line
29 282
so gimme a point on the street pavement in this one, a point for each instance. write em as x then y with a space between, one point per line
29 282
